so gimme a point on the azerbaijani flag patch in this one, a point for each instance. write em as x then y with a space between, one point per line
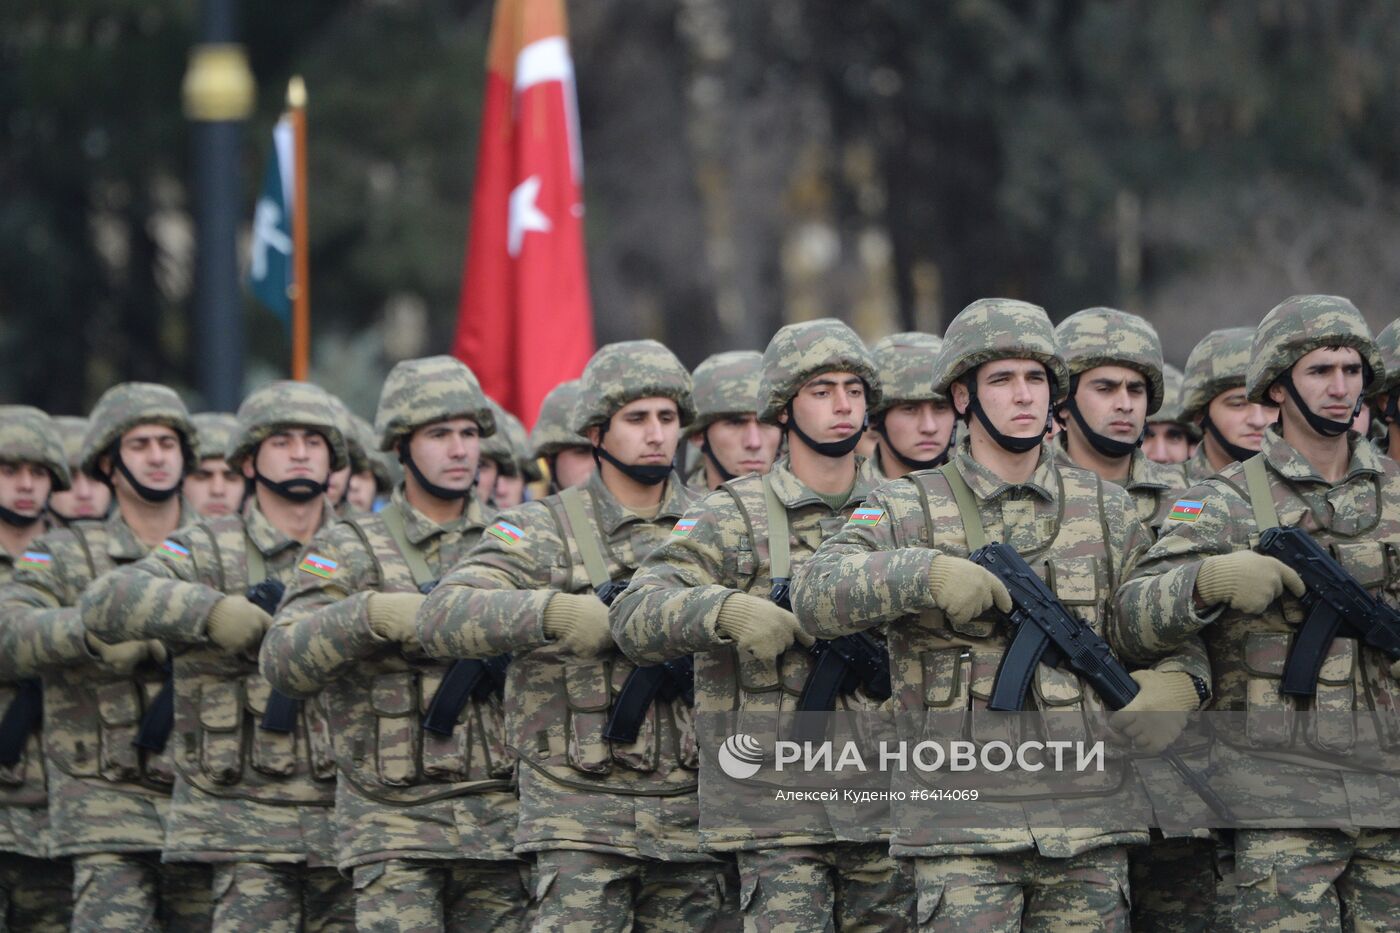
1185 511
684 527
866 516
318 566
174 550
506 532
36 557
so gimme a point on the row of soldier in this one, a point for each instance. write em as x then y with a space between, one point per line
396 719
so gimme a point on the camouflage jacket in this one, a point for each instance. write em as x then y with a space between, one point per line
23 794
398 784
1357 519
1197 468
577 789
1153 486
670 608
229 767
1076 530
91 713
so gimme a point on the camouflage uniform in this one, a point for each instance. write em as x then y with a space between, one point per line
36 891
814 876
553 431
1076 529
1303 879
108 799
905 362
1173 388
1217 364
725 384
215 430
613 827
1388 344
423 821
254 803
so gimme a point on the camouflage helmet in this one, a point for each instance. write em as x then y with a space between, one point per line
71 431
1170 412
509 448
800 351
287 404
1217 364
496 448
1108 337
427 390
1388 343
361 439
127 405
551 432
726 384
906 368
216 430
356 453
999 329
620 373
1304 323
28 435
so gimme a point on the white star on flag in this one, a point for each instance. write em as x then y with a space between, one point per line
525 216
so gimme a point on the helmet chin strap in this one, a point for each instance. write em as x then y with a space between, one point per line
1106 446
910 462
144 491
646 474
1324 426
299 489
1234 451
705 448
432 489
833 449
18 520
1015 445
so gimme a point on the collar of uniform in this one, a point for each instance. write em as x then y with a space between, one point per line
612 515
123 545
266 537
1142 473
419 527
987 486
793 493
1285 459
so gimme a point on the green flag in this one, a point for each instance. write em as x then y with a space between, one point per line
270 266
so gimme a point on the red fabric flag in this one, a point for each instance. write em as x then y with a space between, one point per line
525 322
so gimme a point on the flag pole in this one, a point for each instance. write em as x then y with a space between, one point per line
301 260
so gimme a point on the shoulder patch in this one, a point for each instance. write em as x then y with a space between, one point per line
507 532
866 515
36 558
318 566
1185 510
174 550
684 527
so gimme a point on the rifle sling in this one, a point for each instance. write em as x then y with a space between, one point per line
1261 496
973 529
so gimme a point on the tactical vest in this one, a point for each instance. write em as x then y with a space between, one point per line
220 700
92 716
377 708
547 685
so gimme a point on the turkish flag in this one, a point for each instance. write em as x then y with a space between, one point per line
525 322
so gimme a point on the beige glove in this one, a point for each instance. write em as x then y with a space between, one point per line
394 617
963 590
1245 581
236 625
122 657
759 627
1155 717
579 623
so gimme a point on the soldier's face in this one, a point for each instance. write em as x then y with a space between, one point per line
573 466
1113 401
87 499
24 488
1240 421
1329 380
1015 394
214 488
1166 442
829 407
152 453
293 453
361 491
447 452
919 430
486 475
644 432
742 444
510 491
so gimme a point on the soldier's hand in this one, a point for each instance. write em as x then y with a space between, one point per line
236 625
157 652
578 622
394 617
1155 717
1246 581
759 627
1395 670
122 657
963 590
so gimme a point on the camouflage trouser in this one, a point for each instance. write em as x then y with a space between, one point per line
1317 880
134 891
596 892
1174 885
848 886
427 894
35 894
1024 891
272 898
